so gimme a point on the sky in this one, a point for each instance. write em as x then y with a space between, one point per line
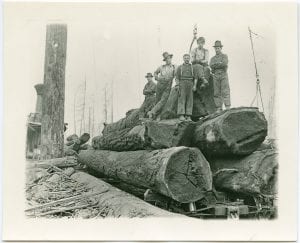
115 45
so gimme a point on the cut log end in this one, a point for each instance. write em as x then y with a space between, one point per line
188 175
238 131
181 173
245 129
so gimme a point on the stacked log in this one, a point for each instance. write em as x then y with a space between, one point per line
158 155
180 173
238 131
149 135
254 174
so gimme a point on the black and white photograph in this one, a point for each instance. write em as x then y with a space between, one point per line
151 111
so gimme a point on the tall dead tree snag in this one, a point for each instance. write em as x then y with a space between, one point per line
52 135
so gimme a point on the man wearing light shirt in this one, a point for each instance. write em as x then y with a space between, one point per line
200 55
164 76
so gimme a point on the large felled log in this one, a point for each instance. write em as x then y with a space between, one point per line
63 162
152 134
123 140
169 133
116 203
238 131
180 173
251 175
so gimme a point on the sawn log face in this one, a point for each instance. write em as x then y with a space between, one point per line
238 131
251 175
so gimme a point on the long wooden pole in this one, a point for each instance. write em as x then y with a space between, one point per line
52 132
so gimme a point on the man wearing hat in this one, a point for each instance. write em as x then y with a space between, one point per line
164 75
149 92
219 65
186 78
200 55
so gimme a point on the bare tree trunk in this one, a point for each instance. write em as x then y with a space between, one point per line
52 134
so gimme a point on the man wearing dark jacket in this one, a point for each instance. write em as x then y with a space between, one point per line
219 65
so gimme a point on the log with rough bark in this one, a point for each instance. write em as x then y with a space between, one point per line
152 134
52 128
180 173
116 203
238 131
68 161
251 175
123 140
169 133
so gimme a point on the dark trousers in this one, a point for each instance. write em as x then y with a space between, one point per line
147 105
163 90
221 89
185 100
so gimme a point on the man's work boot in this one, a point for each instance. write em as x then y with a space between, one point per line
182 118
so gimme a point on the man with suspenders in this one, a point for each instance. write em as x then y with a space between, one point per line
187 82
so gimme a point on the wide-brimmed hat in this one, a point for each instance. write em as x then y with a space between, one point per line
166 55
218 44
149 75
202 39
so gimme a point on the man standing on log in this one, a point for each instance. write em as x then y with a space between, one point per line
187 84
149 92
200 55
219 65
164 76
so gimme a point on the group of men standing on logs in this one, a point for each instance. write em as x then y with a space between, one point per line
190 77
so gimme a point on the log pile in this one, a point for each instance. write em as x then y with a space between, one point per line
184 160
169 163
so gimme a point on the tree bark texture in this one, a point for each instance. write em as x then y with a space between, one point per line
180 173
116 203
52 132
150 135
68 161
